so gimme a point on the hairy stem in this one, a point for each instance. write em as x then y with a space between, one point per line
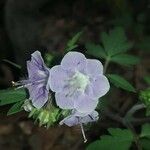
106 64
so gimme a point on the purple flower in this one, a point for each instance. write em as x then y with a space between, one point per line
37 83
78 82
77 118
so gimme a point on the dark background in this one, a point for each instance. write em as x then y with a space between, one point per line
46 25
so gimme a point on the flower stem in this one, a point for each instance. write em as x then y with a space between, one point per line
83 133
134 109
106 64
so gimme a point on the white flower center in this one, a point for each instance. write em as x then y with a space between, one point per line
79 81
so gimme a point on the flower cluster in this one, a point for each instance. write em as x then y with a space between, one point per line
77 82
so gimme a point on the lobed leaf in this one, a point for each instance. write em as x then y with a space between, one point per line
95 50
115 42
119 139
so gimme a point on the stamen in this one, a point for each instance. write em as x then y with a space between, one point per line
83 133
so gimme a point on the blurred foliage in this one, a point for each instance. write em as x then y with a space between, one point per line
113 48
145 98
120 82
128 37
119 139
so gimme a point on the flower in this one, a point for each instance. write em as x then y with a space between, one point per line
77 118
37 82
78 82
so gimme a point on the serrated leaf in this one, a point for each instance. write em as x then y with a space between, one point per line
125 59
145 132
115 42
74 40
120 139
17 107
11 96
95 50
120 82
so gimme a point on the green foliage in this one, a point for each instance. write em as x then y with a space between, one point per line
125 59
145 136
115 42
145 132
103 103
120 82
48 58
10 96
119 139
145 98
17 107
73 42
96 50
47 116
113 48
145 144
147 79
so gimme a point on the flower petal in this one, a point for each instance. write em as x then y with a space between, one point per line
34 72
58 78
70 121
73 120
100 86
85 104
38 95
63 101
36 67
92 117
37 60
74 61
94 67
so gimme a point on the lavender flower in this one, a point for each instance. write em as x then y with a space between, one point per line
77 118
37 83
78 82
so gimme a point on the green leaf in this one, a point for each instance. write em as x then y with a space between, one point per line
125 59
74 40
115 42
119 139
145 131
145 144
71 48
147 79
11 96
17 107
120 82
95 50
